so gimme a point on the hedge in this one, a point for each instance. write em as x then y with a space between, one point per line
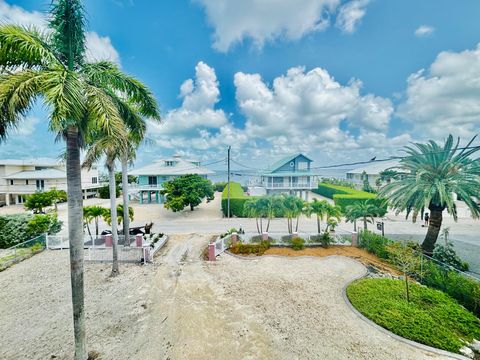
237 199
341 195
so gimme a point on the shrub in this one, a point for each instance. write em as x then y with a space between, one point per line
326 239
15 229
338 182
341 195
250 249
104 191
237 200
219 186
297 243
431 317
375 244
447 255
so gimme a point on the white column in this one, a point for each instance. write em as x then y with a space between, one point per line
7 199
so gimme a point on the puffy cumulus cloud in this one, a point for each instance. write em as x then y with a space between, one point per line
305 110
27 126
424 31
197 124
444 98
350 15
98 47
266 20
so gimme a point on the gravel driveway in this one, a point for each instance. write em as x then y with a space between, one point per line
184 308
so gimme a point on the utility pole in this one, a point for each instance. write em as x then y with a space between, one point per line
228 183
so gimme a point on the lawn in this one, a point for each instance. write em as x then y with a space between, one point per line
431 317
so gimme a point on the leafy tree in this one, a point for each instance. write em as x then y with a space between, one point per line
252 209
107 215
57 196
388 175
51 66
429 176
38 201
446 254
187 190
219 186
366 184
131 179
104 191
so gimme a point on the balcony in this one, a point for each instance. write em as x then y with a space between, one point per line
149 187
291 186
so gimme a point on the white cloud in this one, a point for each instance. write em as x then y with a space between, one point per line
424 31
26 127
265 20
98 47
444 98
350 15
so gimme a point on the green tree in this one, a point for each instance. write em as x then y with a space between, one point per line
367 211
333 215
429 176
292 208
319 208
51 67
252 209
187 190
57 196
94 213
107 215
38 201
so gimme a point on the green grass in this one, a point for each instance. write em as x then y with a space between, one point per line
431 318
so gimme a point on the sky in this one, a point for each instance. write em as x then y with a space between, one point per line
340 81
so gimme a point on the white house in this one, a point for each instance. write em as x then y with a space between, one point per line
23 177
371 171
151 177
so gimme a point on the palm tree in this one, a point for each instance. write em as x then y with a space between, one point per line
319 208
52 66
352 215
273 207
333 214
292 206
94 213
252 208
365 210
429 176
120 214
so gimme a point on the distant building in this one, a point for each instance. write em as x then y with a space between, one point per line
151 177
371 171
292 174
24 177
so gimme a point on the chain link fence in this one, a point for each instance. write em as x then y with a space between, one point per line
21 251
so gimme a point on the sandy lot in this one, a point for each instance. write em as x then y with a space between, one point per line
184 308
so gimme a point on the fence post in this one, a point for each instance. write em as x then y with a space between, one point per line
211 252
138 240
234 238
109 240
265 236
355 239
46 241
294 234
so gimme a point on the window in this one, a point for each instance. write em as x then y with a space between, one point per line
40 184
26 182
11 182
94 180
169 163
302 165
152 180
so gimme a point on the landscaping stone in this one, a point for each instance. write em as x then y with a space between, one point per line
466 351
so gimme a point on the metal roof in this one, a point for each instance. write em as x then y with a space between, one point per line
180 167
38 174
290 173
375 168
285 160
31 162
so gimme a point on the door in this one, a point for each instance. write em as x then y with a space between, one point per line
152 180
40 185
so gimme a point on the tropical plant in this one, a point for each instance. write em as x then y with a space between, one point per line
252 209
94 213
271 207
366 211
430 175
292 208
446 255
80 95
333 214
57 196
319 208
107 216
187 190
38 201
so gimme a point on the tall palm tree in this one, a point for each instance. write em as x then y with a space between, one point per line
319 208
429 176
273 207
252 208
292 206
51 66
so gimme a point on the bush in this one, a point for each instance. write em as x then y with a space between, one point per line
326 239
237 199
15 229
431 317
250 249
104 191
338 182
341 195
375 244
219 186
447 255
297 243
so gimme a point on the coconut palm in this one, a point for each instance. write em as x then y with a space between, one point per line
272 207
94 213
333 215
120 213
364 210
251 209
319 208
51 67
292 208
430 176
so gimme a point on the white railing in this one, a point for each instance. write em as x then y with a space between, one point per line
222 244
286 185
135 187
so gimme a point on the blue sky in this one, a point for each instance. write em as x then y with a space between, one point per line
355 90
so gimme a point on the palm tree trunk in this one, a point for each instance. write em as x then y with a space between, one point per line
434 225
318 224
268 225
256 222
96 226
365 223
355 225
296 226
113 216
75 235
126 219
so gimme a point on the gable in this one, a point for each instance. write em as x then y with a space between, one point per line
298 162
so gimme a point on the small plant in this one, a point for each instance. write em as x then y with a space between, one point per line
326 239
250 249
297 243
447 255
332 224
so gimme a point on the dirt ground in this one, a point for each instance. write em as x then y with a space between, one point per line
353 252
183 308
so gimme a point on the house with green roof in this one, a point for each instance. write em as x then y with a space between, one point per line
292 174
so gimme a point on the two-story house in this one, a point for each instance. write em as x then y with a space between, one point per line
24 177
151 177
292 174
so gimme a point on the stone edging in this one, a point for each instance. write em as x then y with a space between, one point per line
391 334
358 313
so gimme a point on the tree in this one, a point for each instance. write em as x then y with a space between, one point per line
366 210
333 215
51 66
107 216
57 196
251 209
187 190
38 201
319 208
292 208
429 176
94 213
